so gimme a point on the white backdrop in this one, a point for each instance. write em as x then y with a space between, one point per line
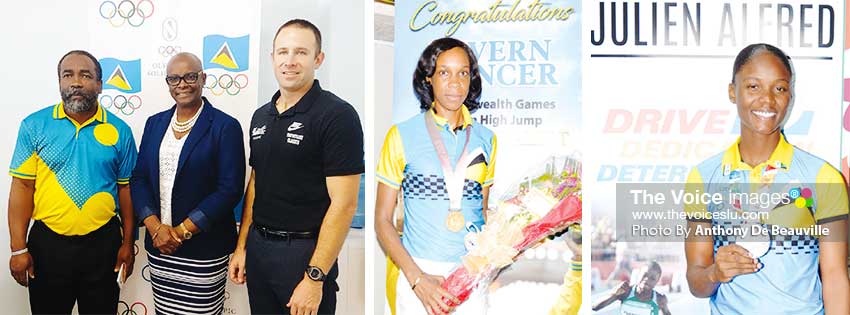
141 36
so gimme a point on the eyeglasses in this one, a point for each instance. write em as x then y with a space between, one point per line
190 78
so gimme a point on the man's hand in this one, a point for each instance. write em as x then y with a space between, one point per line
21 266
236 269
306 298
126 258
623 288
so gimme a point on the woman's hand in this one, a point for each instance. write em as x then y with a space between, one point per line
730 261
166 239
430 292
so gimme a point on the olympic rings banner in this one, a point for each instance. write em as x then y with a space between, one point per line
134 40
660 76
529 65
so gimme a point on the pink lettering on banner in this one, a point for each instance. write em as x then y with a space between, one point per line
619 120
847 87
847 99
669 121
847 116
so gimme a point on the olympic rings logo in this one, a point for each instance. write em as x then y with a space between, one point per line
126 11
146 273
121 103
130 309
226 83
168 51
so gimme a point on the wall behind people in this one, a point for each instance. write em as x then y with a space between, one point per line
382 122
342 42
134 41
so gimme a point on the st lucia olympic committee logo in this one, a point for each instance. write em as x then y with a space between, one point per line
137 308
230 55
119 13
125 78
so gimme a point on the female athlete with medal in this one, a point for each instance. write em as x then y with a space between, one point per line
442 164
788 274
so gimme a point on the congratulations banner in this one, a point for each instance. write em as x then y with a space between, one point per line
529 63
134 41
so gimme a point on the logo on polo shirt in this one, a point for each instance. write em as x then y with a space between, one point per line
295 126
258 132
293 138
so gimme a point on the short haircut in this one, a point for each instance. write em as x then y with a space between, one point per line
748 52
653 265
428 64
97 70
302 24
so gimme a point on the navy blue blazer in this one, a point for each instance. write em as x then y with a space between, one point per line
209 183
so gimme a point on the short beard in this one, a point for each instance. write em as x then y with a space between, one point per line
88 102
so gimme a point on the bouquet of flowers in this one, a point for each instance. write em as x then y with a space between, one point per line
538 207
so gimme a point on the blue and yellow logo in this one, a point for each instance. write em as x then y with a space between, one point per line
228 53
124 76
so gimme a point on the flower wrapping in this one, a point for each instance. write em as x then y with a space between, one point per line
541 207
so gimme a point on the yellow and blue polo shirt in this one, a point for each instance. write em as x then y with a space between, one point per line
409 162
789 282
76 167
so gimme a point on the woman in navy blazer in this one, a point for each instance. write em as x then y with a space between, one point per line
189 177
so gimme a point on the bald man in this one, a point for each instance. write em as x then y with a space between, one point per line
188 179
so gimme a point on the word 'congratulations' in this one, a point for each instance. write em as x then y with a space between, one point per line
427 15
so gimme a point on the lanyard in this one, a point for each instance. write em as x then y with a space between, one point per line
454 178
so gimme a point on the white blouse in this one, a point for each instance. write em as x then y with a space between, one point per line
169 155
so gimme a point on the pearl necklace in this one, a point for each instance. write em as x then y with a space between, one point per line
181 127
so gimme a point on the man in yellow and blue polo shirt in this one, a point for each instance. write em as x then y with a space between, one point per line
788 281
70 173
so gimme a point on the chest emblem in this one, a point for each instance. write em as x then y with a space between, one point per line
258 132
291 137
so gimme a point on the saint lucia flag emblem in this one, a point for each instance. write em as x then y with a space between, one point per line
124 76
229 53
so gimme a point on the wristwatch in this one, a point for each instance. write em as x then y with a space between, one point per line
186 233
316 274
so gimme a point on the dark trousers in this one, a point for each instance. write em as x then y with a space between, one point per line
275 266
71 269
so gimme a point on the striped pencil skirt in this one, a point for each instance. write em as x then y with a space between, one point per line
188 286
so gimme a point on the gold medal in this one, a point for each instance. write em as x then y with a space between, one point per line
454 221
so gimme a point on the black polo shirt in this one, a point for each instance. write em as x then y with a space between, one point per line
292 153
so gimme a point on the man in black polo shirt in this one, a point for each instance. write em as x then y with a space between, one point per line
307 157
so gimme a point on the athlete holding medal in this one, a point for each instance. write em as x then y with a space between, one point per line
442 162
789 274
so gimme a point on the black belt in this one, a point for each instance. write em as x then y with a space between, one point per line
285 235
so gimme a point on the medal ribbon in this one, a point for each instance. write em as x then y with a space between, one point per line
453 178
